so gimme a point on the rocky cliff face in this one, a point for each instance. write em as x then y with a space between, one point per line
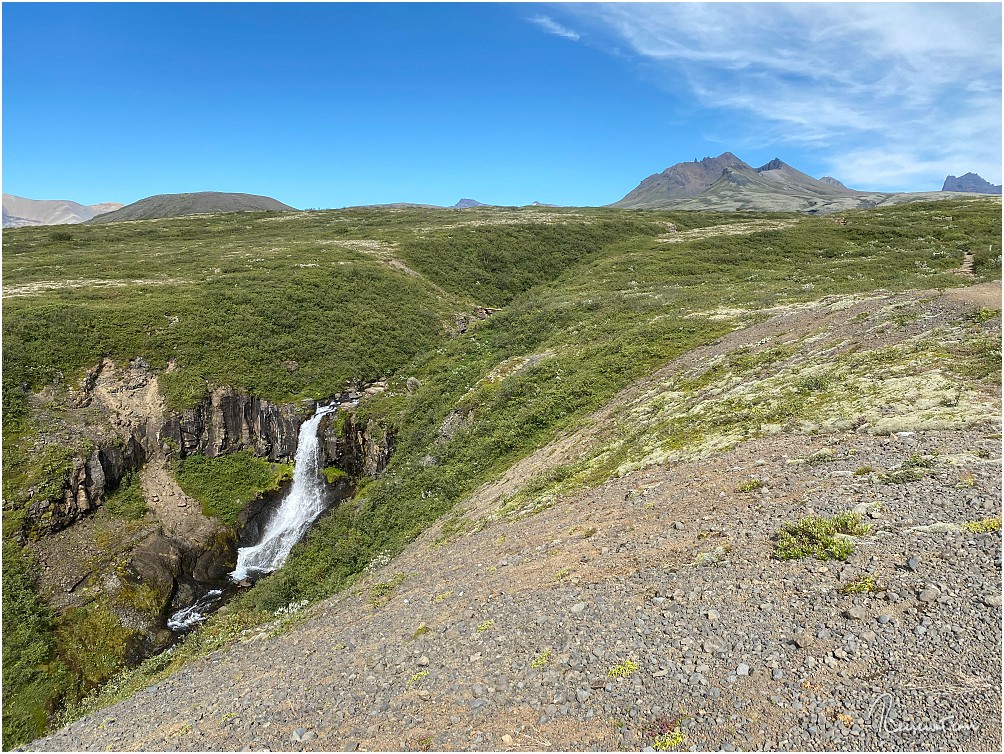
357 449
228 420
85 486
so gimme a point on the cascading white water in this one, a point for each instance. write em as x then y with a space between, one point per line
302 504
194 614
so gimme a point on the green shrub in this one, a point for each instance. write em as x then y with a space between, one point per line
818 536
226 484
333 474
915 468
34 679
622 669
380 594
93 643
863 585
127 500
541 659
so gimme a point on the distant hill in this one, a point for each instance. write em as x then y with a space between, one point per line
726 183
395 205
971 183
467 203
200 203
19 212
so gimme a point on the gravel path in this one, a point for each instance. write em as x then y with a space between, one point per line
588 626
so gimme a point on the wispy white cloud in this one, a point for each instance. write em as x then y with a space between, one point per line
551 26
893 92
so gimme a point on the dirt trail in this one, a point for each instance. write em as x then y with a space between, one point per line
966 268
986 295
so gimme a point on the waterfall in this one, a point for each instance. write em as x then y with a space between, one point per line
302 504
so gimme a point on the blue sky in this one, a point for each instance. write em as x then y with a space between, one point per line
329 105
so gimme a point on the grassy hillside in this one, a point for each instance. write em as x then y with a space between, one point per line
563 349
294 305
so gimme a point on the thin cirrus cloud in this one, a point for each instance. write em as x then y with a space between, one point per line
890 94
551 26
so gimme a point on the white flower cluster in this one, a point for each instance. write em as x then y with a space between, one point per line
291 609
378 562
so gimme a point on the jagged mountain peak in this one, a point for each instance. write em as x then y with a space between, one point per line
682 180
775 164
727 182
971 183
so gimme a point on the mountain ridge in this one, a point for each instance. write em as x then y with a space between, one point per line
20 212
467 204
727 183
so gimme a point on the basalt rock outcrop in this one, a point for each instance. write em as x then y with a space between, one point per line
84 487
359 449
227 421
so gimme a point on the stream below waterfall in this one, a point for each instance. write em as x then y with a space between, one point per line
305 501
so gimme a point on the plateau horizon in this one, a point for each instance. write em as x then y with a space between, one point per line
710 183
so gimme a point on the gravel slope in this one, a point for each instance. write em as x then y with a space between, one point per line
749 653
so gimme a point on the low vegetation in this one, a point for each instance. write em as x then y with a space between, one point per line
591 301
985 526
622 669
127 500
34 678
541 660
863 585
226 484
380 594
666 733
821 537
